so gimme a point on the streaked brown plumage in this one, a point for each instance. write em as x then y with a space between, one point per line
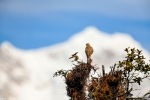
88 51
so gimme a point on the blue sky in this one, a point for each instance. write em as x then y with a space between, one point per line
30 24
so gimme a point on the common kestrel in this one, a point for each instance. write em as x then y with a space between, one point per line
88 51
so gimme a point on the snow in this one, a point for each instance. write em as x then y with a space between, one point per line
28 74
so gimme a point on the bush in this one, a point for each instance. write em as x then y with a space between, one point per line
109 86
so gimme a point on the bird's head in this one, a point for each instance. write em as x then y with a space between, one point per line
87 44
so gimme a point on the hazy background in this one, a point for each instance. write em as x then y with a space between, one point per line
30 24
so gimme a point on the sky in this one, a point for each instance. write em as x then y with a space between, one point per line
31 24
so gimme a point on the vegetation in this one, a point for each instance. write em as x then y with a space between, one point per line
114 85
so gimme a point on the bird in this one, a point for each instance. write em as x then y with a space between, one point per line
88 51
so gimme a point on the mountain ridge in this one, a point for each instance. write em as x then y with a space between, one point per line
37 66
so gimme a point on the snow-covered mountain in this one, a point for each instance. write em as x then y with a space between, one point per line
28 75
